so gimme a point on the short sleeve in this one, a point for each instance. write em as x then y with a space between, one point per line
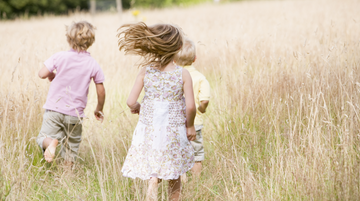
204 93
51 63
98 75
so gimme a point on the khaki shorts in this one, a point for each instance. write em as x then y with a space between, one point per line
67 129
198 144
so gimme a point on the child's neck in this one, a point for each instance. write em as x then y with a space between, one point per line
170 67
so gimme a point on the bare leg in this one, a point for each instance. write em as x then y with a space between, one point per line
49 145
184 178
174 189
152 191
196 169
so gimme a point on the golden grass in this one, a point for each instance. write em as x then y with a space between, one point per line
283 122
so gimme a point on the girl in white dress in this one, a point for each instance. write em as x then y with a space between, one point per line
160 147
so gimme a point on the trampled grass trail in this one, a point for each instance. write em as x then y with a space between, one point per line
283 122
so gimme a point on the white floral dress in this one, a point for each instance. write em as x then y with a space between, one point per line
160 147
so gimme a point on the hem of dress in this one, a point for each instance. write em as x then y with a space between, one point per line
167 178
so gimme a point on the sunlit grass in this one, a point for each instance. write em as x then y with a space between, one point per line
283 121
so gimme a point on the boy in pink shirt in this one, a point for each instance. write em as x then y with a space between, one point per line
68 92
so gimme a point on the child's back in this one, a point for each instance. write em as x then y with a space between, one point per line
160 136
69 89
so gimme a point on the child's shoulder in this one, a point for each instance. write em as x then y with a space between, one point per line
57 57
200 74
59 54
197 73
74 53
62 54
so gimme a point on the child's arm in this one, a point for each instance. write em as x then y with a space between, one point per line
204 95
190 105
135 92
45 73
100 90
203 105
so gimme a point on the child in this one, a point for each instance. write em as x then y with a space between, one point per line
68 92
201 87
160 148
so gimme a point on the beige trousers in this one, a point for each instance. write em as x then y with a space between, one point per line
67 129
198 144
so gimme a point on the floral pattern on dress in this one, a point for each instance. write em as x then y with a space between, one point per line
160 147
163 85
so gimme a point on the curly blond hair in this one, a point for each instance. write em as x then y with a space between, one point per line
187 54
80 35
157 44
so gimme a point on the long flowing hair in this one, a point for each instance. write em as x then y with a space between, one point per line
157 44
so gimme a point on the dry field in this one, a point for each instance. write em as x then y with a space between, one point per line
283 122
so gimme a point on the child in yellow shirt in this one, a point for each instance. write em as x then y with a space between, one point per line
186 57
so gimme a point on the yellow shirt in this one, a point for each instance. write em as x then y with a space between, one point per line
201 91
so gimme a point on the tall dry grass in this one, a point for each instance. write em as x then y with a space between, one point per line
283 122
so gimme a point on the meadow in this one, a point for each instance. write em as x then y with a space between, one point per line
283 122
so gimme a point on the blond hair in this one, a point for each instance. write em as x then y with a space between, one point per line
80 35
157 44
187 54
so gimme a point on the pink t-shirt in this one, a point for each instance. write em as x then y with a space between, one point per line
69 89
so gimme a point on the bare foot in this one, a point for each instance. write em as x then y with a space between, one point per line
49 153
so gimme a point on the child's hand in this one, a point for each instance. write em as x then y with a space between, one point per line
191 133
135 109
51 76
99 115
